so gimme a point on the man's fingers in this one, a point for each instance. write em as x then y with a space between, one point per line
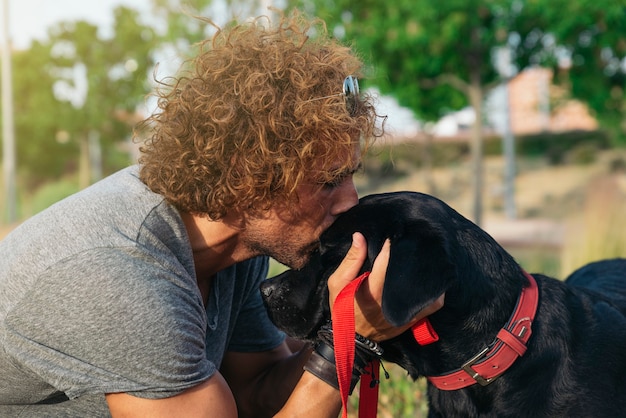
349 267
369 319
376 280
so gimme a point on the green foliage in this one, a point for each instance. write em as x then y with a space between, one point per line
275 268
388 161
116 74
558 147
593 34
399 396
51 193
36 113
599 231
77 83
423 52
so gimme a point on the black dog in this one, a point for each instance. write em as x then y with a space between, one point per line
574 363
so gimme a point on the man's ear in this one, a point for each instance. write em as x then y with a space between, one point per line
420 270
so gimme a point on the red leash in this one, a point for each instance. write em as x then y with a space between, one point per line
343 334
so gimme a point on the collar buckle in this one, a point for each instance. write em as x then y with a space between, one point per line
467 367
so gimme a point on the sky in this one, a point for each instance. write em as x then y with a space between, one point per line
30 19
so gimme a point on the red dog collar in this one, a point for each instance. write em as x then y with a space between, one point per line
496 358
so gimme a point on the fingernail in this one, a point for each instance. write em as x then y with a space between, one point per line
356 240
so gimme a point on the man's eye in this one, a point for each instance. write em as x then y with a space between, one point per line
339 178
331 184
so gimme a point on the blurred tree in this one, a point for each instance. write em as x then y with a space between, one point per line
432 56
100 83
438 56
184 29
178 16
584 42
37 115
76 88
79 87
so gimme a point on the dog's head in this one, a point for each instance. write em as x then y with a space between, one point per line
420 267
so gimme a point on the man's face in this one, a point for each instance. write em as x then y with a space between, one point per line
289 235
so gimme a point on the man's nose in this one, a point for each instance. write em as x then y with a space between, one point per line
347 197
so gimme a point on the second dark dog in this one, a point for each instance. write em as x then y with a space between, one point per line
507 348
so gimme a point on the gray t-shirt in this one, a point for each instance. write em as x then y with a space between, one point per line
98 294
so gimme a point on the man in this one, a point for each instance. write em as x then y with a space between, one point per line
139 295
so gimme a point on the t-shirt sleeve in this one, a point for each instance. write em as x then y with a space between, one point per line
254 331
112 320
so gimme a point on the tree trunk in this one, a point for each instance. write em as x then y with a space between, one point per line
84 166
427 158
95 156
476 145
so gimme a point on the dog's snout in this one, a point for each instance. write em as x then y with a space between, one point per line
267 289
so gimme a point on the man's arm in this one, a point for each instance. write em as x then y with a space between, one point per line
213 398
261 382
210 399
311 398
268 386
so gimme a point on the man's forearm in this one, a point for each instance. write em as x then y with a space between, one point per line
312 398
267 394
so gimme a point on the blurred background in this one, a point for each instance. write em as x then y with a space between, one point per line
512 111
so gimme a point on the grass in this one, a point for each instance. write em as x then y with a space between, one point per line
30 202
50 193
399 396
538 259
599 231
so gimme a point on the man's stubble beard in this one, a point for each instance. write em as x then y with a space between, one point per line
283 252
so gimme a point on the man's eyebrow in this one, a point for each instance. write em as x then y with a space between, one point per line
348 170
338 174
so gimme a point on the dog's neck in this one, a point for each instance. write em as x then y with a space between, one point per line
509 344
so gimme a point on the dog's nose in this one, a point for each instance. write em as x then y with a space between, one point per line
266 289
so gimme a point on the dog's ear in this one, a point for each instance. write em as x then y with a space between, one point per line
420 270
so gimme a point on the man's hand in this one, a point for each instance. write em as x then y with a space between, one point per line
369 319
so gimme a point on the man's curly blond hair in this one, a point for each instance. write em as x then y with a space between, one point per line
248 118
